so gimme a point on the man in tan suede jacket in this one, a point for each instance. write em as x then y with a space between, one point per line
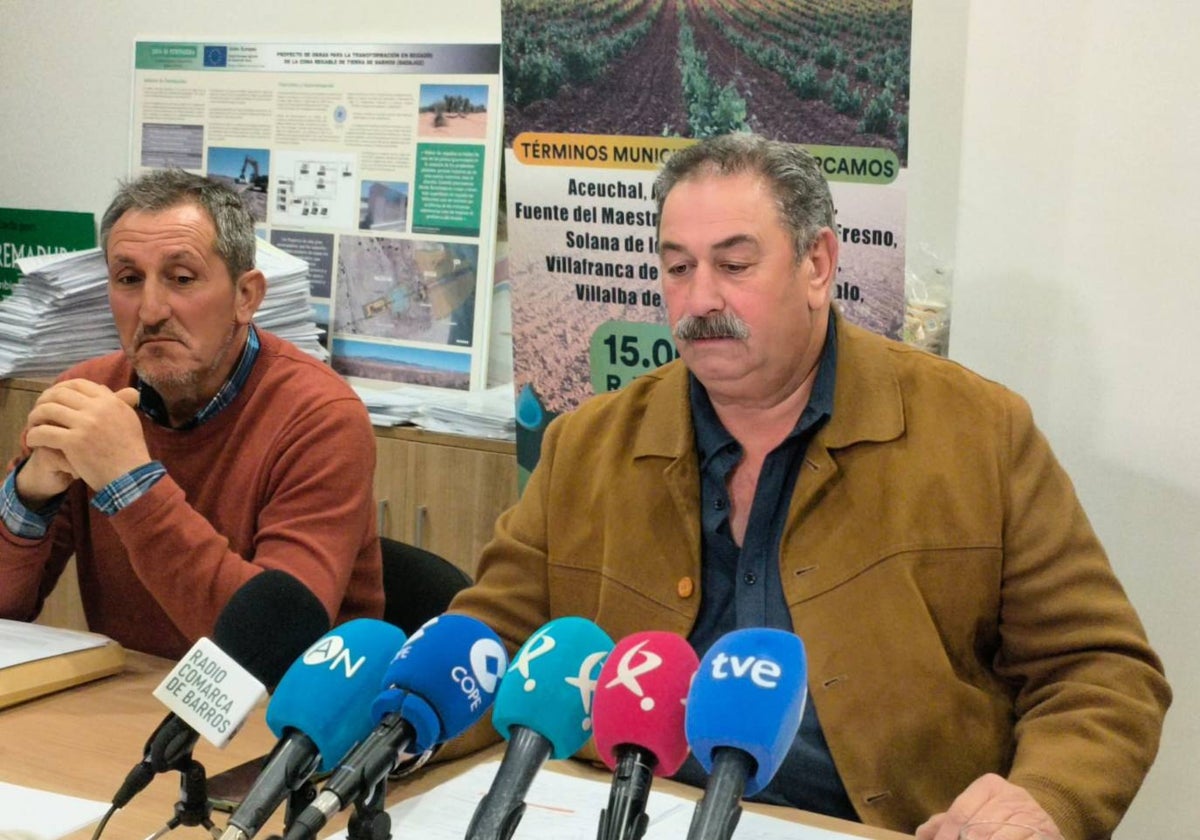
971 654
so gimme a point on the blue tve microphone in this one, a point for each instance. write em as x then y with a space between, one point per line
543 710
442 681
321 708
762 674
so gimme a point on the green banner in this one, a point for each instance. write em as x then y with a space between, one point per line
30 233
856 164
168 55
622 350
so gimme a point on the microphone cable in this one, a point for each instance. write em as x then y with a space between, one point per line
112 809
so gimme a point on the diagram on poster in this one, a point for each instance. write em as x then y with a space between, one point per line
404 289
315 190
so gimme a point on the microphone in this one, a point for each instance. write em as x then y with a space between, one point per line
321 708
761 673
638 721
440 683
543 709
267 623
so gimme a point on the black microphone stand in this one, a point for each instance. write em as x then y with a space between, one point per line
370 821
625 817
193 807
298 800
718 811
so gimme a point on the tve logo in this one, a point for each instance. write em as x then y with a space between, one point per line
764 673
333 649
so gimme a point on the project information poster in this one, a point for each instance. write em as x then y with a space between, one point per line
596 101
375 163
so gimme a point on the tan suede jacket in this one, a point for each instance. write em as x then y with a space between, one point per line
959 615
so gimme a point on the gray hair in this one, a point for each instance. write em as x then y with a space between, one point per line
163 189
793 175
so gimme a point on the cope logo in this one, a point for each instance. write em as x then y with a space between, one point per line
764 673
333 650
630 667
487 660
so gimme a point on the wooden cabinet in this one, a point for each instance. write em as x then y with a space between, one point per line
443 492
17 397
437 491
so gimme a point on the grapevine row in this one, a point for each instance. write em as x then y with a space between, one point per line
711 110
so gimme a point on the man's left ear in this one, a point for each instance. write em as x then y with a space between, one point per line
251 288
823 254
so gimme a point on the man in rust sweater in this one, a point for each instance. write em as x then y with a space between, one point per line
205 452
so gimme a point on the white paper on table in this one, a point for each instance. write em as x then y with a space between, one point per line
565 807
751 826
45 815
22 642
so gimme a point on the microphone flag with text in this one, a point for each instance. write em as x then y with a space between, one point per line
762 673
638 716
544 710
440 683
321 708
265 625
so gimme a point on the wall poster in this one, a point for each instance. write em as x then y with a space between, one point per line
375 163
597 99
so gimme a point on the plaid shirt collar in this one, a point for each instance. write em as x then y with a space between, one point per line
152 403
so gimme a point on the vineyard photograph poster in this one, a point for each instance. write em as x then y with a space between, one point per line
599 94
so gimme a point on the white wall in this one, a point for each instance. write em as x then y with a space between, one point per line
1054 168
66 77
1076 284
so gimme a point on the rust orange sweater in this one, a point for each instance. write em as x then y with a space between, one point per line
280 479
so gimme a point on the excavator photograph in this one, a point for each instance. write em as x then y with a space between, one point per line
256 182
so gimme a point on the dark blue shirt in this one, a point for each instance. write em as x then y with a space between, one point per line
742 587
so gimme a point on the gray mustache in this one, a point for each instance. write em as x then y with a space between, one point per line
720 325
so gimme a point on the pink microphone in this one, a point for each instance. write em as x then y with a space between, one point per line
638 723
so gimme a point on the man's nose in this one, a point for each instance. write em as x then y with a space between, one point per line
155 304
704 292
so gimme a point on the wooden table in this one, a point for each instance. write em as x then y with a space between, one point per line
84 740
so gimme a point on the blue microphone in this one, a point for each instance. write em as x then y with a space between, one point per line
321 708
762 674
543 709
439 684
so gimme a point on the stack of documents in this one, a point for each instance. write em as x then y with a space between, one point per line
489 413
58 313
285 310
37 660
392 407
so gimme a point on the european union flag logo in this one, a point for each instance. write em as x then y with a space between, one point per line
215 56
